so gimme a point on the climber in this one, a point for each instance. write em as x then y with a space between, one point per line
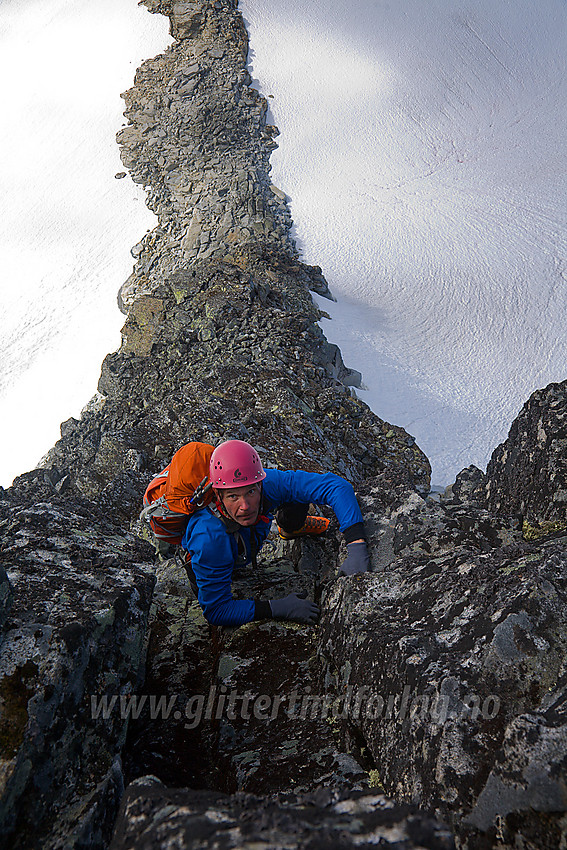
231 530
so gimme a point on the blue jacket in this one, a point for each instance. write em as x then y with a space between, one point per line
214 552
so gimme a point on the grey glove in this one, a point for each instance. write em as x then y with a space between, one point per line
357 560
294 607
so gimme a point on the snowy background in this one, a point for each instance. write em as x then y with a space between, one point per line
423 149
423 146
66 224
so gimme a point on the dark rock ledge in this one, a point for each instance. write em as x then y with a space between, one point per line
434 688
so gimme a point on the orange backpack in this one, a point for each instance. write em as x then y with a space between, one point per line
177 492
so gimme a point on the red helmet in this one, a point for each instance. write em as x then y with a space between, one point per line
235 464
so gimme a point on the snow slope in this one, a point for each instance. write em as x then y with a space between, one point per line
66 223
423 148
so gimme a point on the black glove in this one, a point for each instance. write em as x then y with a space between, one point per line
357 560
294 607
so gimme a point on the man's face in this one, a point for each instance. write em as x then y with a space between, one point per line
243 503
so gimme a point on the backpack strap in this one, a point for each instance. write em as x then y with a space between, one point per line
159 506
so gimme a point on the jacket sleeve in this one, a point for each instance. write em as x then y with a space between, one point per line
212 560
327 489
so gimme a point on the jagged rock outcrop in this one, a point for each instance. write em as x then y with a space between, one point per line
75 632
156 817
222 351
527 474
456 674
468 487
197 138
444 656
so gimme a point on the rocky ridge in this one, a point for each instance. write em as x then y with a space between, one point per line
459 629
197 138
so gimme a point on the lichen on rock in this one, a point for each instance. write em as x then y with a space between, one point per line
75 632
